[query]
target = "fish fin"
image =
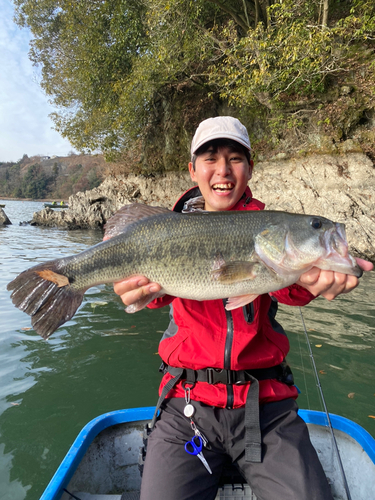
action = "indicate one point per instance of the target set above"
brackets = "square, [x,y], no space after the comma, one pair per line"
[143,302]
[232,272]
[127,215]
[59,279]
[240,301]
[44,293]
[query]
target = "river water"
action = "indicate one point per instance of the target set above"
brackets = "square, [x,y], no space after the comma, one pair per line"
[104,359]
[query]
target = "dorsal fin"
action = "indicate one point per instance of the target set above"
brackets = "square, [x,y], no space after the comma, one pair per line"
[127,215]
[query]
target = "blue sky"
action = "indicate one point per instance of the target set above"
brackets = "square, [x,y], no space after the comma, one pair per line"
[24,108]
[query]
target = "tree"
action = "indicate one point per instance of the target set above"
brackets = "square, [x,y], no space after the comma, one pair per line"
[85,50]
[140,74]
[35,182]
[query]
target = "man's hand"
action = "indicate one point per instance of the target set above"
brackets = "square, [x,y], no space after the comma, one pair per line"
[134,288]
[330,284]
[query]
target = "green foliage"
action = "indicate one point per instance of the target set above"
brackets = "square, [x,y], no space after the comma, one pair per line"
[34,183]
[292,56]
[85,50]
[138,75]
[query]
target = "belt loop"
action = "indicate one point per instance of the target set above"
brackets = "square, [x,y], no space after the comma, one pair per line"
[253,438]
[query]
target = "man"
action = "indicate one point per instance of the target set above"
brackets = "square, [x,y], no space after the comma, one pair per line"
[230,354]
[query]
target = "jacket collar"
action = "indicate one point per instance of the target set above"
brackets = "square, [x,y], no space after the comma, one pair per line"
[192,200]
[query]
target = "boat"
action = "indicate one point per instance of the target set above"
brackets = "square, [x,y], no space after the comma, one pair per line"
[103,462]
[56,205]
[2,206]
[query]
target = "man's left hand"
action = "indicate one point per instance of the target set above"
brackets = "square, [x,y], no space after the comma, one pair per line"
[330,284]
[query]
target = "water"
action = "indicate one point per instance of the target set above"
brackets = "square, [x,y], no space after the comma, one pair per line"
[104,359]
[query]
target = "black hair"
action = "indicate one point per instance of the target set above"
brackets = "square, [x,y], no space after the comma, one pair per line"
[215,144]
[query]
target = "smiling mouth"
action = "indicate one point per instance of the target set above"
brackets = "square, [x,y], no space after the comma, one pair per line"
[223,187]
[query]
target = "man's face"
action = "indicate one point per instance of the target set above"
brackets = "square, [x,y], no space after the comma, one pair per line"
[222,177]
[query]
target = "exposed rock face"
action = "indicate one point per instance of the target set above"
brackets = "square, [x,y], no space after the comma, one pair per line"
[339,187]
[4,221]
[92,209]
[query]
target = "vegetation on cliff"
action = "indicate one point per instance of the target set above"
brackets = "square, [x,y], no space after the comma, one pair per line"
[41,177]
[133,78]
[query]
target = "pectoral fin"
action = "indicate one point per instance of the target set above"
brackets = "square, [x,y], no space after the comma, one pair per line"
[242,300]
[232,272]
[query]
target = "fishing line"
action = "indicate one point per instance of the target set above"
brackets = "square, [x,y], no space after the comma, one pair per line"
[71,494]
[325,409]
[304,373]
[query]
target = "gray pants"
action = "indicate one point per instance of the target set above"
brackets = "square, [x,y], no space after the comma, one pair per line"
[290,468]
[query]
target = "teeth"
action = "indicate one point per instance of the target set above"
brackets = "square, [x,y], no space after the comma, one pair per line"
[223,186]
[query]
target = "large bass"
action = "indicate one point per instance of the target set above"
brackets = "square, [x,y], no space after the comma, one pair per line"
[201,256]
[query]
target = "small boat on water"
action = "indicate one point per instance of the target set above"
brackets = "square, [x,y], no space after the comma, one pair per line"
[2,206]
[102,463]
[56,205]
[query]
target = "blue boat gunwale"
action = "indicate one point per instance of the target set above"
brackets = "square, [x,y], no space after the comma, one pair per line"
[82,442]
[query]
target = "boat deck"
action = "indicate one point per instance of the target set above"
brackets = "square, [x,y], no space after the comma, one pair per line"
[228,492]
[96,473]
[102,463]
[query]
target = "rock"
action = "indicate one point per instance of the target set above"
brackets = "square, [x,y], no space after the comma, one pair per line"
[92,209]
[279,156]
[349,146]
[346,90]
[4,221]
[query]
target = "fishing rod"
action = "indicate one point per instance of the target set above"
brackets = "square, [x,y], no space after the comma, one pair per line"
[325,409]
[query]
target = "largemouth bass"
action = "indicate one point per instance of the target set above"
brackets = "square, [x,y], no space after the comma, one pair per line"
[201,256]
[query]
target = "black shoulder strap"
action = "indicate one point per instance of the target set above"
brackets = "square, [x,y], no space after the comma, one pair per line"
[168,386]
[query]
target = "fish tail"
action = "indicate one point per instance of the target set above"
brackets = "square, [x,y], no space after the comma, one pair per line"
[45,293]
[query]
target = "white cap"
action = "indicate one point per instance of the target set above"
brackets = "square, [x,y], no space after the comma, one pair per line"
[221,127]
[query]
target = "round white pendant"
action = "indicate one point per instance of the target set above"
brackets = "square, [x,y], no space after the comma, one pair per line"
[189,410]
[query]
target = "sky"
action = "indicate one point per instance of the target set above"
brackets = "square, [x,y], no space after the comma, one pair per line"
[25,126]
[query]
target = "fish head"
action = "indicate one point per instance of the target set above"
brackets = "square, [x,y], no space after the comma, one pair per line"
[301,242]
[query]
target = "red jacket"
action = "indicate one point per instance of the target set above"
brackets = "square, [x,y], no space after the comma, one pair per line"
[203,334]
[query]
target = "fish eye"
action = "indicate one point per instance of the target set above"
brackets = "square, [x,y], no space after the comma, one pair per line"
[316,223]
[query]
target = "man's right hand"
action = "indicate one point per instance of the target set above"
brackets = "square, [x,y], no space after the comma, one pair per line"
[132,289]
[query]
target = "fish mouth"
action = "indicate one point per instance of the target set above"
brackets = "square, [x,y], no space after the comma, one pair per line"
[338,251]
[223,187]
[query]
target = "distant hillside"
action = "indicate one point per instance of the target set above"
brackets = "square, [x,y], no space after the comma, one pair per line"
[56,177]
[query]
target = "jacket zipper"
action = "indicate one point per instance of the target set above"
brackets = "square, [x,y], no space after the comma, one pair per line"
[228,354]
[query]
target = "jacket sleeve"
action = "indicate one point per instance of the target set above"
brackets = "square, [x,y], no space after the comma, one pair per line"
[161,302]
[294,295]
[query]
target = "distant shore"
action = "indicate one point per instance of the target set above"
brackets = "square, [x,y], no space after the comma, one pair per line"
[44,200]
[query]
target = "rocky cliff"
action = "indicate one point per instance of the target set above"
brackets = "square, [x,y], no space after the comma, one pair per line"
[339,187]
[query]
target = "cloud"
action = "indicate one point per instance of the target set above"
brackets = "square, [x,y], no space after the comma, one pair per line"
[25,127]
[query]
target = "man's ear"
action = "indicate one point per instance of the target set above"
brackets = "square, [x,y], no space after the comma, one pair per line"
[192,172]
[250,170]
